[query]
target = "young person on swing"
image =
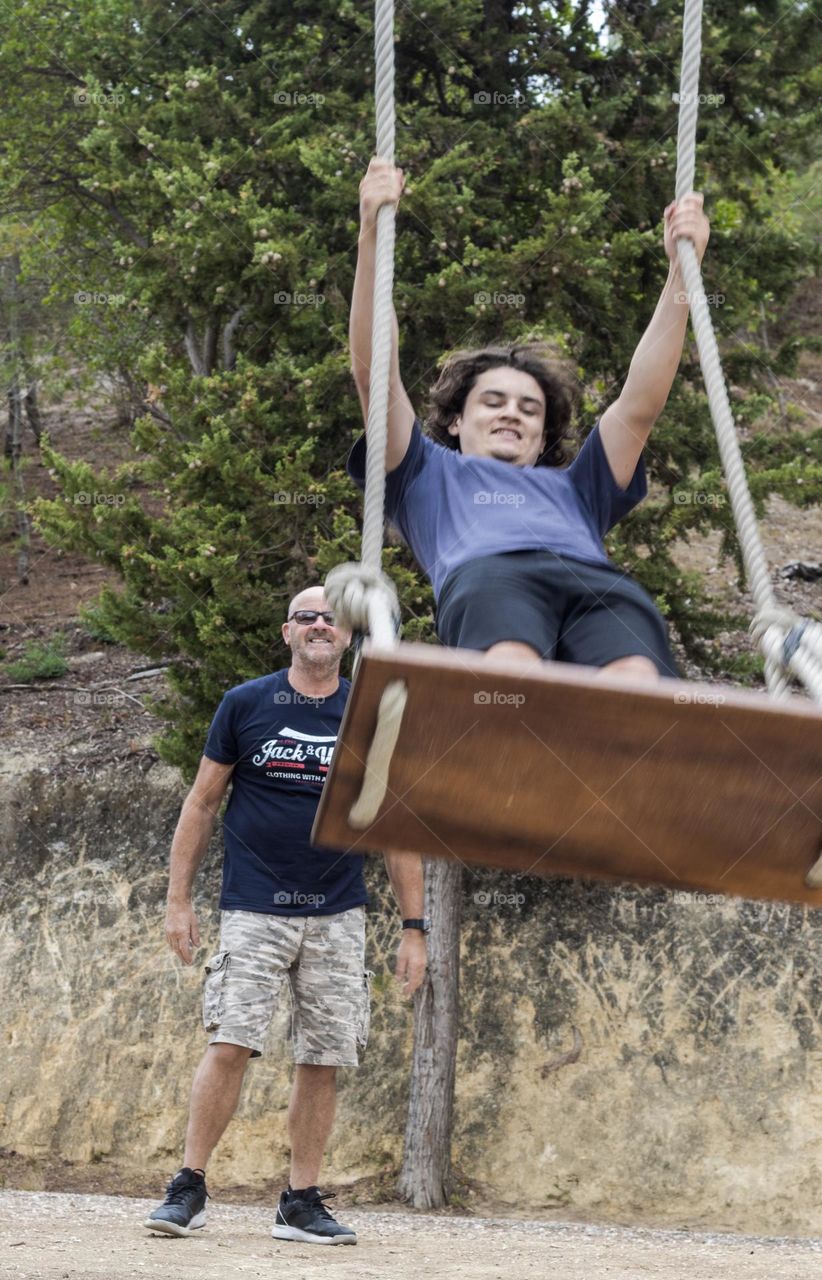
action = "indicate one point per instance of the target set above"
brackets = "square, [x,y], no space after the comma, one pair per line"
[511,539]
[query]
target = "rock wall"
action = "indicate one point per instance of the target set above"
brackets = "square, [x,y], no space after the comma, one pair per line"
[626,1054]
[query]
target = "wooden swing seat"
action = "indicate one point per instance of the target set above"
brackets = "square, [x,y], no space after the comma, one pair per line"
[559,770]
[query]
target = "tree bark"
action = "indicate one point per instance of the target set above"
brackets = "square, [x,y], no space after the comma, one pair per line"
[210,344]
[32,407]
[425,1178]
[202,358]
[14,436]
[229,330]
[772,378]
[195,358]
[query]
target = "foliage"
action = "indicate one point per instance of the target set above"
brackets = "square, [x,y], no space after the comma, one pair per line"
[95,626]
[40,660]
[190,174]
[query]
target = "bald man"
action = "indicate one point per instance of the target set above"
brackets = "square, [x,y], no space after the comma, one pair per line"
[288,910]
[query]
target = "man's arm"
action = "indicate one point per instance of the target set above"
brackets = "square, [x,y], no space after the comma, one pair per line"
[405,873]
[382,184]
[626,424]
[191,837]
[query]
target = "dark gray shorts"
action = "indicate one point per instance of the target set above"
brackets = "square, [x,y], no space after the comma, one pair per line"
[566,609]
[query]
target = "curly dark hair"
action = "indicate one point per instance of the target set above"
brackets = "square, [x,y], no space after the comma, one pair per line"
[460,371]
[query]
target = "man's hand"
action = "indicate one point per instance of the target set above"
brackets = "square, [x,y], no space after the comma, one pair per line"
[382,184]
[411,958]
[685,218]
[182,933]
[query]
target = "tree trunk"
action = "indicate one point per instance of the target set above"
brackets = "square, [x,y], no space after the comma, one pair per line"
[14,437]
[210,345]
[32,407]
[201,358]
[230,329]
[425,1178]
[195,358]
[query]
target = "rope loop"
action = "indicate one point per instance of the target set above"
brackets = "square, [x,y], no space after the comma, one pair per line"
[792,641]
[366,599]
[773,615]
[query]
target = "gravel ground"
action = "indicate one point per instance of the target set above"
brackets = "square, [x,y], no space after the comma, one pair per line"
[45,1235]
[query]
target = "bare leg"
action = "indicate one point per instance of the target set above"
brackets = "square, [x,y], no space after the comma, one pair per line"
[215,1093]
[513,649]
[310,1117]
[633,668]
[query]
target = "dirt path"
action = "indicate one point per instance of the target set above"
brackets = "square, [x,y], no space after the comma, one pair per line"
[46,1235]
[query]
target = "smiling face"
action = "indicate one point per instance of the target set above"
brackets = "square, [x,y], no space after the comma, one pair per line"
[503,417]
[316,647]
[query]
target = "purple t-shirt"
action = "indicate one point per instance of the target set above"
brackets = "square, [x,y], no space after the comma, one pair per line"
[451,507]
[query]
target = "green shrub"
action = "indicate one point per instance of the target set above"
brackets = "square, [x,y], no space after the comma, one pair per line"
[41,660]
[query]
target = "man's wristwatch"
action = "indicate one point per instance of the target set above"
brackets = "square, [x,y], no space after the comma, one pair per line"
[423,924]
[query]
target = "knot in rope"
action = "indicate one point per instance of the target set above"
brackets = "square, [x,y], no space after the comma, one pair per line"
[773,615]
[777,615]
[366,599]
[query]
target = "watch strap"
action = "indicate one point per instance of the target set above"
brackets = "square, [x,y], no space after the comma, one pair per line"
[423,924]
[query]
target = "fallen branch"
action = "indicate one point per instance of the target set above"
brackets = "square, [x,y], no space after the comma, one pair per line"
[565,1059]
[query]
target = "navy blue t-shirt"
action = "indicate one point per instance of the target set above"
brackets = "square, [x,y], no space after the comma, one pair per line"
[281,743]
[451,507]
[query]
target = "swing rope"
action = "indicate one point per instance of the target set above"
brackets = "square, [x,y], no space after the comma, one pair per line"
[361,593]
[788,642]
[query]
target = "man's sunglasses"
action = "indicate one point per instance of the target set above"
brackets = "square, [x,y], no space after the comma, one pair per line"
[306,616]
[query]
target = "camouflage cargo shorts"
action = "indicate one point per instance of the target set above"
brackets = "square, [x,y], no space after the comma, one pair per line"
[323,959]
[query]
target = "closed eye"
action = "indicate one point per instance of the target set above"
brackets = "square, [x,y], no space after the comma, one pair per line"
[494,400]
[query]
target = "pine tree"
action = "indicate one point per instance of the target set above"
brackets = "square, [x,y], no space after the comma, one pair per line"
[190,178]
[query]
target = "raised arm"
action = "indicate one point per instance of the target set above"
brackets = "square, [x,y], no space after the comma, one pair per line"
[626,424]
[382,184]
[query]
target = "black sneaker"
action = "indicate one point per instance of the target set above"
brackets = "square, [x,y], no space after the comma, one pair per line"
[183,1209]
[306,1218]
